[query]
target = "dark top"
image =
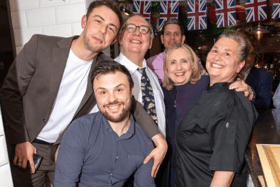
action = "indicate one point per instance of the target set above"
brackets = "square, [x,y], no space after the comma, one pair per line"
[177,102]
[92,150]
[261,82]
[213,136]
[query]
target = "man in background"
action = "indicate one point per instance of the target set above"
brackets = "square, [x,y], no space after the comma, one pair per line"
[171,34]
[259,80]
[135,40]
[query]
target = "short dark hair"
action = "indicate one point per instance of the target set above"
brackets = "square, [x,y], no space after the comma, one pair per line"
[173,21]
[112,66]
[110,4]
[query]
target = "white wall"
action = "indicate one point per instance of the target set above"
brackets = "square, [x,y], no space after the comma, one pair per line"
[5,171]
[49,17]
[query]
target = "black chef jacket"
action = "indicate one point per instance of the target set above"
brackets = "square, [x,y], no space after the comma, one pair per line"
[213,136]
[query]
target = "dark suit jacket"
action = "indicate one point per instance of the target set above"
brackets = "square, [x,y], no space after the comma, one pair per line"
[261,82]
[31,86]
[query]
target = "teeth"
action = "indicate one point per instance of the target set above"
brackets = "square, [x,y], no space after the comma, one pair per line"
[113,107]
[135,41]
[179,74]
[216,65]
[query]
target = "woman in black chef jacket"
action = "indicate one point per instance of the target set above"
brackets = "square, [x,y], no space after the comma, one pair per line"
[213,135]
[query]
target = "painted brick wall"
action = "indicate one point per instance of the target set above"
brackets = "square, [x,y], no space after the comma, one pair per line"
[49,17]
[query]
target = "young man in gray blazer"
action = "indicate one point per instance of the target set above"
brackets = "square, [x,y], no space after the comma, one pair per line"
[48,86]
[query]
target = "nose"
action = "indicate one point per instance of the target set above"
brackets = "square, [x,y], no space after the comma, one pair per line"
[172,36]
[178,66]
[103,29]
[137,31]
[112,97]
[217,57]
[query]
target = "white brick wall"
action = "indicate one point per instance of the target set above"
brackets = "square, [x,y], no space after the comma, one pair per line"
[49,17]
[5,172]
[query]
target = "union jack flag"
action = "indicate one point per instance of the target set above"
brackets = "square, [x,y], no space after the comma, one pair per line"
[276,9]
[255,10]
[168,9]
[197,18]
[225,13]
[143,8]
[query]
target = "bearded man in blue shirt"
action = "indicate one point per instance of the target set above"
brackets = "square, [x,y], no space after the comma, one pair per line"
[105,148]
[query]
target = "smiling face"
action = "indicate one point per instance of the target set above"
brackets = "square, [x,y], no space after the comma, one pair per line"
[172,35]
[179,66]
[100,29]
[135,43]
[113,96]
[222,61]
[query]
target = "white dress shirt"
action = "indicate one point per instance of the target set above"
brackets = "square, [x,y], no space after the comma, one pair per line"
[158,94]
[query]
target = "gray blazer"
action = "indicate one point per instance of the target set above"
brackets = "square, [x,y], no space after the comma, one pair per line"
[31,86]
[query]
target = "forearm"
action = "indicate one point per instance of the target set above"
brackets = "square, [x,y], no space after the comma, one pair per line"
[143,119]
[222,179]
[160,141]
[13,90]
[12,109]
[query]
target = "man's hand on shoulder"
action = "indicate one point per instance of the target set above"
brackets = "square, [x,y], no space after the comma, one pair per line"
[241,86]
[157,153]
[23,153]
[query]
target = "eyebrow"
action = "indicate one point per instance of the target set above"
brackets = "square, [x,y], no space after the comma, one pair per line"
[102,88]
[104,20]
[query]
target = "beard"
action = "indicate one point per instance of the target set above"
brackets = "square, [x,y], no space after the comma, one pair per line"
[91,47]
[122,114]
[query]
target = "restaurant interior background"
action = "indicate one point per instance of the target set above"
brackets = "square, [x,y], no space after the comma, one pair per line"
[267,47]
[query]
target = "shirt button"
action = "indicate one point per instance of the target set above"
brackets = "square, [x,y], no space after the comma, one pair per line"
[111,174]
[117,157]
[227,124]
[44,120]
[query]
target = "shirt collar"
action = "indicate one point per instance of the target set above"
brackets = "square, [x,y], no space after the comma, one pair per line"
[128,64]
[131,130]
[219,85]
[128,134]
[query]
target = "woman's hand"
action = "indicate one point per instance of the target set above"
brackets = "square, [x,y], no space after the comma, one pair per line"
[157,153]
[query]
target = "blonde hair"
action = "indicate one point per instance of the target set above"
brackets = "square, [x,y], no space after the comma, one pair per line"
[195,76]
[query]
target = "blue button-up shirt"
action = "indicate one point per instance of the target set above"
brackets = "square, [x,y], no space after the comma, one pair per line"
[93,154]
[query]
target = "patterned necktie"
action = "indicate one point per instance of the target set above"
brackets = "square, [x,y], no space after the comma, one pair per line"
[148,95]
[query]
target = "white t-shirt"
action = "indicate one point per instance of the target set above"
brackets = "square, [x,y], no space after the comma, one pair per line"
[70,94]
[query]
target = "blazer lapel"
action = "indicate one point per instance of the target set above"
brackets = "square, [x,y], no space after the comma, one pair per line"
[59,59]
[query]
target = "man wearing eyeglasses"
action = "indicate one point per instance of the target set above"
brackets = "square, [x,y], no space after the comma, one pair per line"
[135,39]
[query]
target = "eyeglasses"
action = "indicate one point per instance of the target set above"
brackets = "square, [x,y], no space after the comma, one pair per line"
[143,29]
